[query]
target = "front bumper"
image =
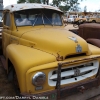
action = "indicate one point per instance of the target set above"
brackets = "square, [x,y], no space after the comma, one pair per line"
[61,92]
[66,91]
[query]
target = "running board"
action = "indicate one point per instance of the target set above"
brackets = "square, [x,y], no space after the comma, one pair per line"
[3,61]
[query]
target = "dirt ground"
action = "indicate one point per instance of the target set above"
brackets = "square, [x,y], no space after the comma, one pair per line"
[7,89]
[70,26]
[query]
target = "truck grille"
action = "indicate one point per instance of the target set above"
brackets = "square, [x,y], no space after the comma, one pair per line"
[75,73]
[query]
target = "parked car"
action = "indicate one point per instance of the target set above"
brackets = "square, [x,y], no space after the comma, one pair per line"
[42,58]
[90,32]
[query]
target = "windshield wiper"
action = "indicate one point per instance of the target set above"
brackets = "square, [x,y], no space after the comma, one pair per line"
[42,19]
[48,19]
[36,19]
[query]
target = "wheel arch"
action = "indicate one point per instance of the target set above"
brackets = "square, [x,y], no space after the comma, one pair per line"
[94,21]
[9,63]
[10,70]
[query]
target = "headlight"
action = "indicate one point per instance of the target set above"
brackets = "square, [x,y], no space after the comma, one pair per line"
[39,79]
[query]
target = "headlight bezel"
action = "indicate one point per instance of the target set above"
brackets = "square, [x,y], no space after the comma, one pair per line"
[39,79]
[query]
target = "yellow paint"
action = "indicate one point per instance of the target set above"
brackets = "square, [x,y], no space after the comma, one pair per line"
[35,48]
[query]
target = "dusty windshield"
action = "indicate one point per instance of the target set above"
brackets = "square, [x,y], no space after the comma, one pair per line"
[34,17]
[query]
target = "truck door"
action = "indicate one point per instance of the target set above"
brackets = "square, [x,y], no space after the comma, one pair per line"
[6,31]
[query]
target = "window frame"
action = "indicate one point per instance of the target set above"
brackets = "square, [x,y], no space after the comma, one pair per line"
[5,19]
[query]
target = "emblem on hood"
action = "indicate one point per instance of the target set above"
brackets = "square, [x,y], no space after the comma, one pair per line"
[74,39]
[78,48]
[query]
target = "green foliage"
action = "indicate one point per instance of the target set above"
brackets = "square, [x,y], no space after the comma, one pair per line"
[21,1]
[67,4]
[31,1]
[64,8]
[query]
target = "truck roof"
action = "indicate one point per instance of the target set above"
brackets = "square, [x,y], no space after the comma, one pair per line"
[24,6]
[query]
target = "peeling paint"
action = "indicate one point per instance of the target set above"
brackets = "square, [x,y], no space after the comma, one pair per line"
[24,6]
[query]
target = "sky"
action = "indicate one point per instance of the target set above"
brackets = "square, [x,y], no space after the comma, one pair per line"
[92,5]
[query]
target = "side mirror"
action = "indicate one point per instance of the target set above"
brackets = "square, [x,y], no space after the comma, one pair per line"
[65,22]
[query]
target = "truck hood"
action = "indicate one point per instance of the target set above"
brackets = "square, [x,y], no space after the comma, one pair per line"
[56,41]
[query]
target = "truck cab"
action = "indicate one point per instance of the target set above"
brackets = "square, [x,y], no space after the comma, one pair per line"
[71,18]
[42,57]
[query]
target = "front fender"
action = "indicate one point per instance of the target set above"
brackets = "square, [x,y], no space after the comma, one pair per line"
[23,58]
[94,41]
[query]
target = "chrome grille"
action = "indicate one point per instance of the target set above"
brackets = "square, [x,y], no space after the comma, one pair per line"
[71,74]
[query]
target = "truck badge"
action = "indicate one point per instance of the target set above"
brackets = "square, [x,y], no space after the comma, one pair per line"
[77,72]
[74,39]
[78,48]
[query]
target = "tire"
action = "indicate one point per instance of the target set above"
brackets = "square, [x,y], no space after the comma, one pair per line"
[93,21]
[12,77]
[16,85]
[81,21]
[76,24]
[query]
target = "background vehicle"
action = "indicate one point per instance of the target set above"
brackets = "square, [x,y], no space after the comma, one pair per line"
[80,20]
[89,30]
[71,18]
[42,58]
[95,19]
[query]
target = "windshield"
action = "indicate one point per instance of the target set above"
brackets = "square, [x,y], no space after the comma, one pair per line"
[70,16]
[73,16]
[34,17]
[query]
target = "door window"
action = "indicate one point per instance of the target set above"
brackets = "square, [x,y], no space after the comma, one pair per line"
[7,19]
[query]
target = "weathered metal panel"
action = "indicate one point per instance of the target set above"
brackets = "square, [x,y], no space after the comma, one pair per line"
[24,6]
[87,95]
[89,30]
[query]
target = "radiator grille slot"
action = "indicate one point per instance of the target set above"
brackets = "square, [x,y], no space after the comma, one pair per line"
[75,55]
[71,74]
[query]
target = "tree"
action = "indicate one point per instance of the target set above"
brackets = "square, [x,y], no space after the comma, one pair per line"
[85,10]
[32,1]
[64,8]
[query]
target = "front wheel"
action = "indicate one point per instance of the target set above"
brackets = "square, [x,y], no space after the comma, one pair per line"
[12,77]
[75,25]
[93,21]
[15,84]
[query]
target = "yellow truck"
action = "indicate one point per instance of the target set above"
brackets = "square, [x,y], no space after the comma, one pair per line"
[81,18]
[42,58]
[94,19]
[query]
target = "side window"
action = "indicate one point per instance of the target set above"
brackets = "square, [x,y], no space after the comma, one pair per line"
[7,19]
